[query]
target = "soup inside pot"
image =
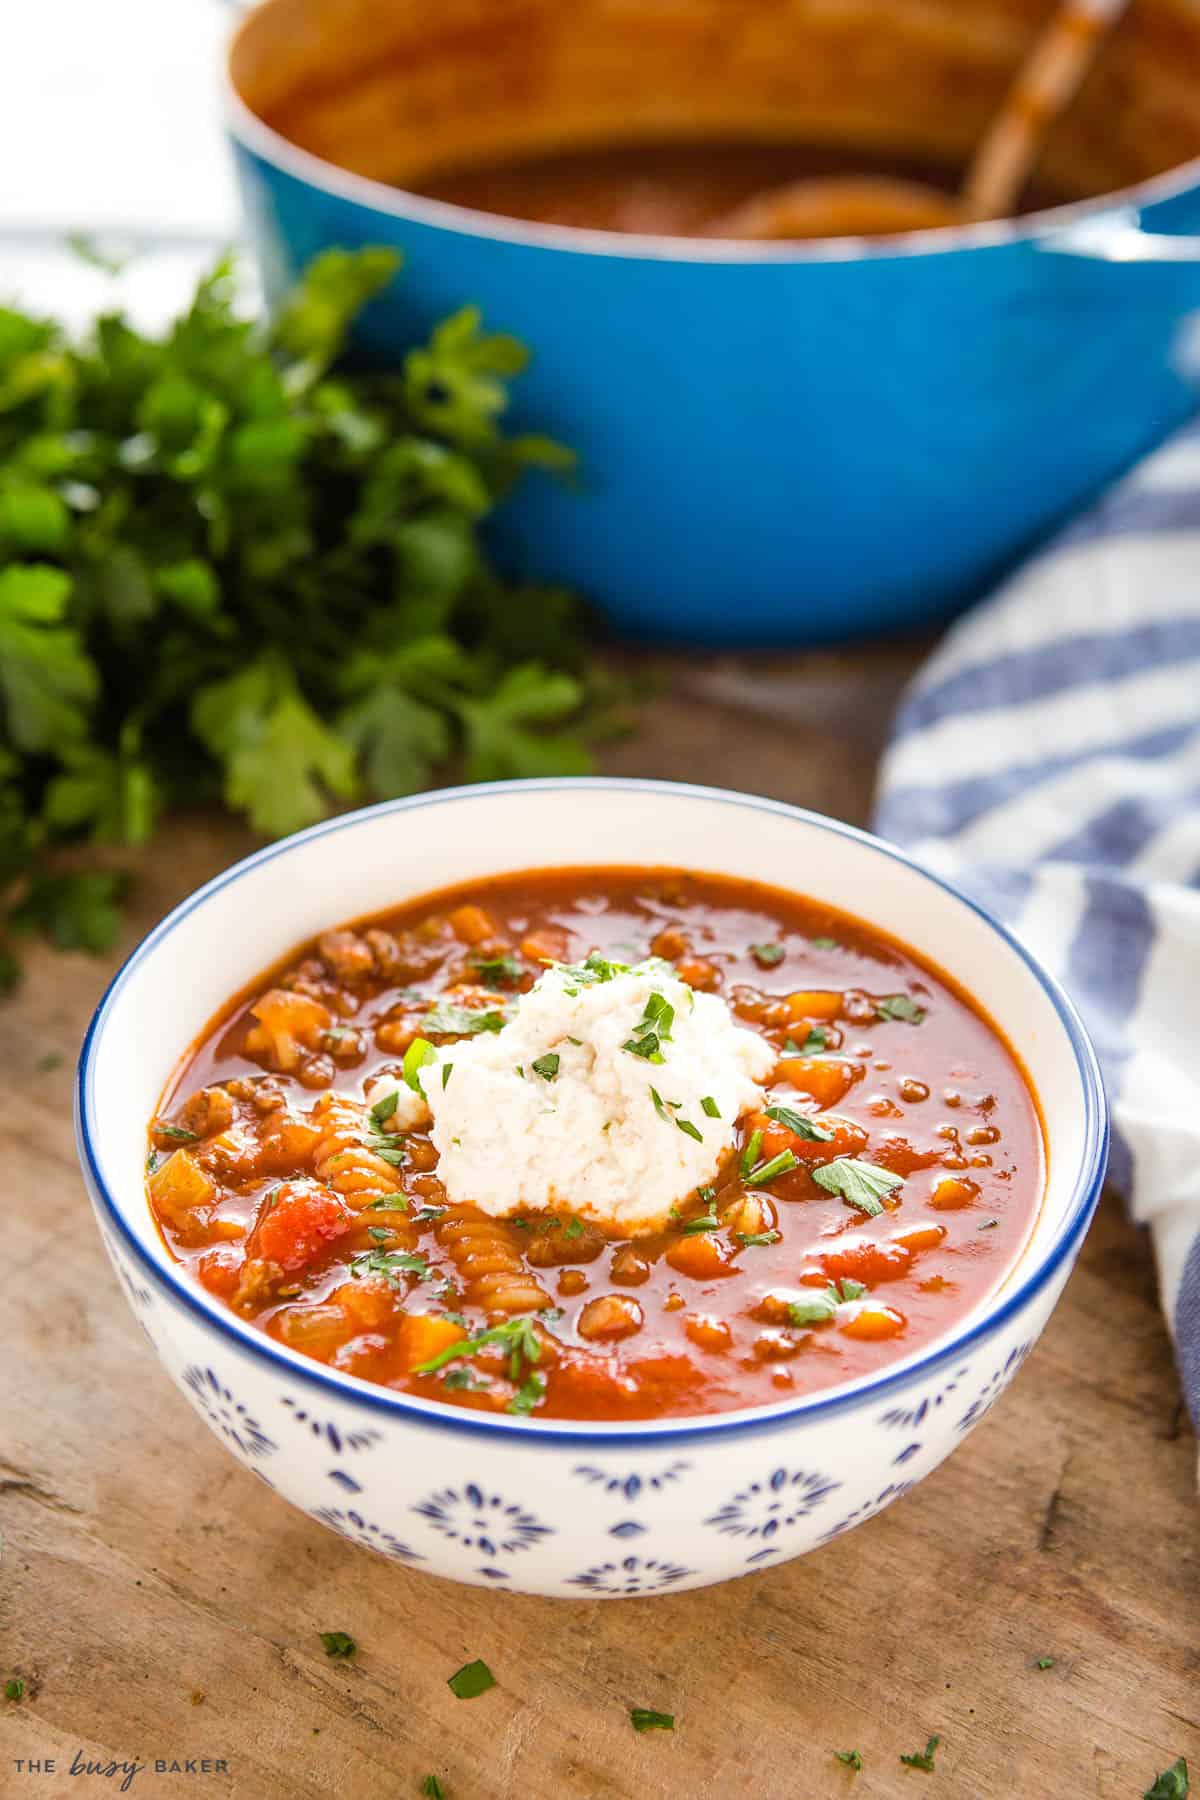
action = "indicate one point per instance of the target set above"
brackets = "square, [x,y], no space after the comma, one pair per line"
[661,115]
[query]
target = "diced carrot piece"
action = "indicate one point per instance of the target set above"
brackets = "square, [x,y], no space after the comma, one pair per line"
[873,1321]
[867,1260]
[367,1304]
[547,944]
[471,924]
[709,1332]
[703,1256]
[420,1336]
[297,1222]
[827,1078]
[814,1004]
[846,1138]
[920,1237]
[698,972]
[953,1192]
[750,1213]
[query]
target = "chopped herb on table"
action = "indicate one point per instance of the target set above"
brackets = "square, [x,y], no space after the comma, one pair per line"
[472,1679]
[851,1758]
[14,1689]
[432,1788]
[1172,1784]
[339,1644]
[643,1719]
[1044,1662]
[231,570]
[922,1759]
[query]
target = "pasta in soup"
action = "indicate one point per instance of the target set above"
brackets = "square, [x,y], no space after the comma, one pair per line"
[600,1144]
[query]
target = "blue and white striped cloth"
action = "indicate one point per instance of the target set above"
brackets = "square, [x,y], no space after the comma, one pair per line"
[1047,759]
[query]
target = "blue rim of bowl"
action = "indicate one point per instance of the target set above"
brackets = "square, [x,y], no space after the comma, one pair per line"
[1089,1179]
[253,135]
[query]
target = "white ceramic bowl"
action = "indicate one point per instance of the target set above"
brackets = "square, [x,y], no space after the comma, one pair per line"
[570,1508]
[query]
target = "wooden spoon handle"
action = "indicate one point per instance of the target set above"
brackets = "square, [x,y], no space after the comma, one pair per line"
[1048,81]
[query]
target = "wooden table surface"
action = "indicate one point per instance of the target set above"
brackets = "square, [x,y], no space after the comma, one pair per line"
[160,1603]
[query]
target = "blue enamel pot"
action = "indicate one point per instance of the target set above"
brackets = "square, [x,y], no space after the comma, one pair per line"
[781,443]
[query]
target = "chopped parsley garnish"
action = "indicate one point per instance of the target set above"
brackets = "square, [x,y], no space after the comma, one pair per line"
[851,1758]
[799,1124]
[751,1151]
[1044,1662]
[573,1228]
[432,1788]
[767,1171]
[516,1335]
[823,943]
[383,1109]
[767,956]
[859,1183]
[380,1234]
[659,1106]
[757,1240]
[702,1222]
[593,969]
[690,1130]
[472,1679]
[652,1030]
[922,1759]
[447,1071]
[823,1303]
[14,1689]
[391,1264]
[899,1006]
[527,1396]
[177,1134]
[463,1378]
[497,971]
[546,1066]
[817,1039]
[642,1719]
[447,1020]
[152,1162]
[707,1194]
[419,1052]
[1172,1784]
[339,1644]
[388,1203]
[387,1149]
[708,1105]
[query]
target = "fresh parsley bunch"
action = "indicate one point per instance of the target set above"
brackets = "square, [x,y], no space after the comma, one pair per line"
[228,568]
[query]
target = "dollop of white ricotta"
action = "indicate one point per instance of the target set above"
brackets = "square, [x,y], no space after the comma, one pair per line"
[614,1136]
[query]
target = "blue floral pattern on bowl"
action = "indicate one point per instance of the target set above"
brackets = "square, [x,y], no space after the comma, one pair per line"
[630,1576]
[482,1521]
[352,1525]
[225,1413]
[777,1502]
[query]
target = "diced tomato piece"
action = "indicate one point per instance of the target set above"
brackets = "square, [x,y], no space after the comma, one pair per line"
[219,1271]
[297,1222]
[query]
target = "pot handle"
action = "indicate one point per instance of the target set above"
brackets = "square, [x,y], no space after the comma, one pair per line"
[1118,237]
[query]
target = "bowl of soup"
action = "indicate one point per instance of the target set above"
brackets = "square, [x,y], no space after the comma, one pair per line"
[786,441]
[588,1187]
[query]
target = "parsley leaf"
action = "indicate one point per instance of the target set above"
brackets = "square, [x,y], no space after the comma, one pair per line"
[419,1052]
[1172,1784]
[391,1264]
[643,1719]
[859,1183]
[851,1758]
[472,1679]
[14,1688]
[899,1006]
[800,1125]
[763,1172]
[546,1066]
[448,1020]
[767,956]
[497,971]
[339,1644]
[922,1759]
[432,1788]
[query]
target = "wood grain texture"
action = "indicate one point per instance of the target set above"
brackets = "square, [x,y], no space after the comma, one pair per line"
[161,1603]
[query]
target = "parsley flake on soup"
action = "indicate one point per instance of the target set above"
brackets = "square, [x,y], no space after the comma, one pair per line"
[600,1144]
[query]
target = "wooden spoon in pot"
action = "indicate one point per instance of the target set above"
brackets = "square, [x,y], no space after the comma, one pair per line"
[869,206]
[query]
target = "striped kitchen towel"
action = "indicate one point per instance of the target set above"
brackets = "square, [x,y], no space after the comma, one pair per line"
[1047,759]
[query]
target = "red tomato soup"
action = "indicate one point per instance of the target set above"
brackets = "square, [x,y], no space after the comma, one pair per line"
[881,1182]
